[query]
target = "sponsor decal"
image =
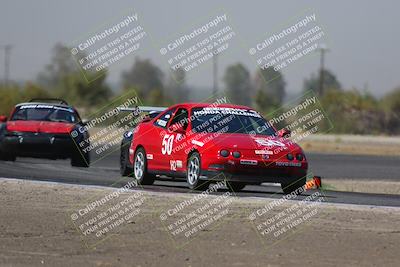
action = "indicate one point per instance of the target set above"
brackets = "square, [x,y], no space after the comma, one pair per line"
[167,144]
[46,107]
[161,122]
[179,137]
[175,164]
[131,151]
[198,143]
[248,162]
[179,163]
[149,156]
[269,143]
[288,164]
[265,156]
[263,152]
[227,111]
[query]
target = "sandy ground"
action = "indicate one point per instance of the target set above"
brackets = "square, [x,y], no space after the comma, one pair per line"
[36,229]
[352,144]
[363,186]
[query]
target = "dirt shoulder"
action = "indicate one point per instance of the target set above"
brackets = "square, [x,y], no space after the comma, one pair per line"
[352,144]
[37,230]
[362,186]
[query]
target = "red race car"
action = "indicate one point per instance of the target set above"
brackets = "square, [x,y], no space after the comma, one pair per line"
[41,128]
[204,143]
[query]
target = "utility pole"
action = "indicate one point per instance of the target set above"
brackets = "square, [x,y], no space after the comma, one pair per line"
[215,73]
[322,50]
[7,51]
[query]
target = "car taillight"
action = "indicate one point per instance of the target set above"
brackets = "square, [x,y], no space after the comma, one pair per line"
[224,153]
[299,157]
[236,154]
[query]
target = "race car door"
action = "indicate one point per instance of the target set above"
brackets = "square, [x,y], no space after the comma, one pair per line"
[175,142]
[156,153]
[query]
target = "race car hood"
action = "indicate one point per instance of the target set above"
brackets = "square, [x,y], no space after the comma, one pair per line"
[254,142]
[39,127]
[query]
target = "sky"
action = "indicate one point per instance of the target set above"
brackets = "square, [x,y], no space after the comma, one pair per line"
[363,36]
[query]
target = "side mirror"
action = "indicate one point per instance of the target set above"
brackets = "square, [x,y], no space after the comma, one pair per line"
[284,133]
[3,118]
[177,128]
[146,118]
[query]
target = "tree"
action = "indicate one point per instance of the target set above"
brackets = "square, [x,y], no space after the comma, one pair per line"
[270,89]
[63,79]
[75,88]
[330,82]
[13,94]
[31,90]
[144,77]
[391,106]
[238,86]
[9,96]
[353,112]
[61,64]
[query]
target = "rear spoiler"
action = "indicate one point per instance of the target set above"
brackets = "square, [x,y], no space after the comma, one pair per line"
[153,111]
[143,108]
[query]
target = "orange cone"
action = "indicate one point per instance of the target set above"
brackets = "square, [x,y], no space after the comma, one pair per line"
[315,183]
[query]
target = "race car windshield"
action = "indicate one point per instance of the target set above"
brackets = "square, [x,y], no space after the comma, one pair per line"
[44,113]
[229,120]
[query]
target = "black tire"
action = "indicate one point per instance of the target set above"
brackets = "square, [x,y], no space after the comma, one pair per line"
[193,173]
[140,171]
[5,157]
[288,188]
[125,168]
[235,186]
[79,159]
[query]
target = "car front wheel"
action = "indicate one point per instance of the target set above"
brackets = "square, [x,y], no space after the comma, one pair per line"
[193,173]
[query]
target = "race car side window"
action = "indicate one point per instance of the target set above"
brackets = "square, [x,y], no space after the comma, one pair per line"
[181,117]
[163,120]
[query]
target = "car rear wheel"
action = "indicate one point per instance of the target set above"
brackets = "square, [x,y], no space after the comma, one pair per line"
[125,167]
[80,159]
[193,173]
[5,157]
[235,186]
[140,168]
[288,188]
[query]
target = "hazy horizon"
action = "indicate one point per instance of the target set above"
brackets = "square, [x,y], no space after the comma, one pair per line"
[362,37]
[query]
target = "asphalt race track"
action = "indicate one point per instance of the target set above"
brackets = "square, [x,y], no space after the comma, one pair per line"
[105,172]
[355,166]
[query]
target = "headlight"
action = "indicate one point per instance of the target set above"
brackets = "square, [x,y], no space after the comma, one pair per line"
[224,153]
[290,156]
[128,134]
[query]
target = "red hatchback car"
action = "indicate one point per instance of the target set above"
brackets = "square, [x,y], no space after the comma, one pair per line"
[203,143]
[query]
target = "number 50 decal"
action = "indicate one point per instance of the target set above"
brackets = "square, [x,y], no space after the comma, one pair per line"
[167,143]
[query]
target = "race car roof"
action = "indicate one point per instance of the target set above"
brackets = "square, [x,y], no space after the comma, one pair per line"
[186,105]
[200,105]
